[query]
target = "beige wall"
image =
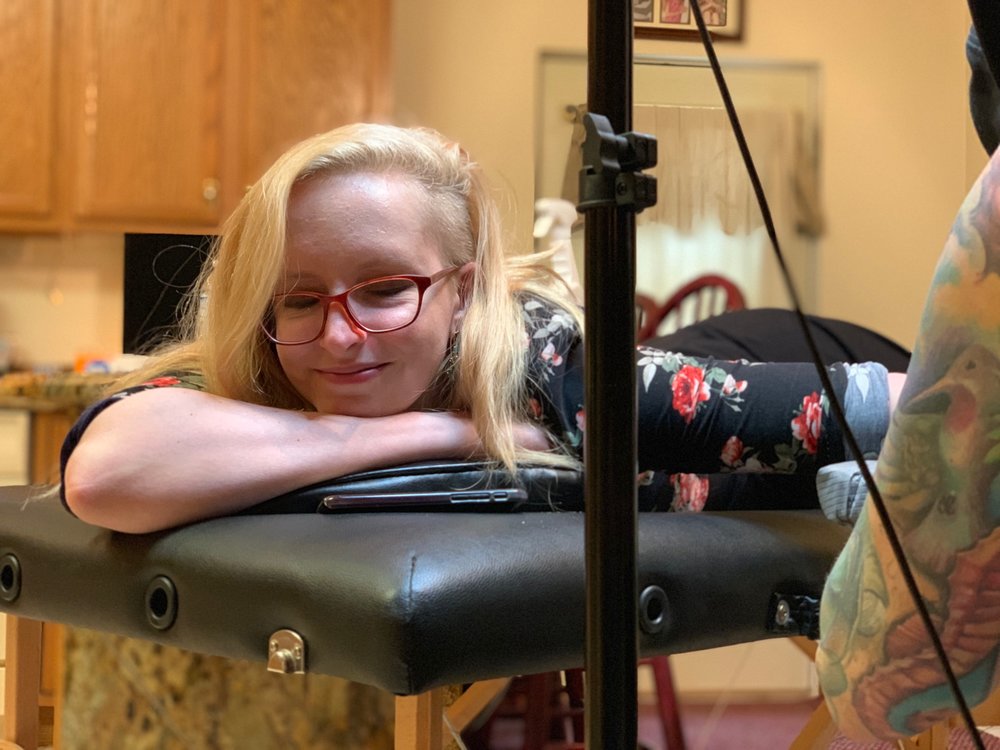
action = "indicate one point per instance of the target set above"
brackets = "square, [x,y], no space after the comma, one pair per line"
[61,297]
[897,150]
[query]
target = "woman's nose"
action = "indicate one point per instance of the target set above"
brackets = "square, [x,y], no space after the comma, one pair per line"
[341,330]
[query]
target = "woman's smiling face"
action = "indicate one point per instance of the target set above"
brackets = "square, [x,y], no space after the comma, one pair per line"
[346,229]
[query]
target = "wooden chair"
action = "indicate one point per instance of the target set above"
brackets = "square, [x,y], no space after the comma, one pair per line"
[33,666]
[550,708]
[23,669]
[698,299]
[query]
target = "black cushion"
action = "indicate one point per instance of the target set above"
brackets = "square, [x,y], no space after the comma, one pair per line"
[403,601]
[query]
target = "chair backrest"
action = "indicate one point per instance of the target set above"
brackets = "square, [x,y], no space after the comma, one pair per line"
[700,298]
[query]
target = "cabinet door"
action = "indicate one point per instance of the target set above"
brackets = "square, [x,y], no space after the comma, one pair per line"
[147,103]
[28,80]
[307,67]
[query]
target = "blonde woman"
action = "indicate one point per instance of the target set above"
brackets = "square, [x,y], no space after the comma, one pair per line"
[360,310]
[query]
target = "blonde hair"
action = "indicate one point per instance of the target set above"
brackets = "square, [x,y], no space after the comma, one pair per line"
[222,338]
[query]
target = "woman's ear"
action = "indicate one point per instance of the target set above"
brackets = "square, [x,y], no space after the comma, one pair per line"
[466,281]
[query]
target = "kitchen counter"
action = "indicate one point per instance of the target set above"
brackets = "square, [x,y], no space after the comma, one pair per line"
[54,392]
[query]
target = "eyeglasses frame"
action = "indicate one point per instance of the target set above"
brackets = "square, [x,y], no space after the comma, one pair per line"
[423,284]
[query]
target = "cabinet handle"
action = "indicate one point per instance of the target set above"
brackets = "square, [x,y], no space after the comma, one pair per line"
[210,189]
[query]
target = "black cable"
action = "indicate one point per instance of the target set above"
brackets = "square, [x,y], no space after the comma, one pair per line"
[166,286]
[824,377]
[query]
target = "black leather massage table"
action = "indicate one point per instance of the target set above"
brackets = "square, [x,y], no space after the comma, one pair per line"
[409,602]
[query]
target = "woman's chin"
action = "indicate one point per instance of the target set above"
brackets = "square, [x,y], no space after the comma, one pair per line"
[361,407]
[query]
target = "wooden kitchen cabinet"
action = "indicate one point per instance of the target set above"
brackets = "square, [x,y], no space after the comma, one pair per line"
[154,115]
[29,79]
[145,95]
[307,66]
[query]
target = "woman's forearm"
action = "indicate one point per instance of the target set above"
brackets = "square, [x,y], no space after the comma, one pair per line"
[170,456]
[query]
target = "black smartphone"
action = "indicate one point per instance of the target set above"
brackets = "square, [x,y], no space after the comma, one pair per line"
[508,499]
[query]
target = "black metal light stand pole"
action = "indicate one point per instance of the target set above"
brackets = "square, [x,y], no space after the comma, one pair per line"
[610,194]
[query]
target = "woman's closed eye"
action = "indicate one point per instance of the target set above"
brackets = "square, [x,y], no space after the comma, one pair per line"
[388,291]
[296,302]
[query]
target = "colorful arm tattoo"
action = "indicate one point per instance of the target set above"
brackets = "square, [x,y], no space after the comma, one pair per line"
[938,474]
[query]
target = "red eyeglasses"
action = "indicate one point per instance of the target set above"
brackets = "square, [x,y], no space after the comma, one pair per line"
[387,303]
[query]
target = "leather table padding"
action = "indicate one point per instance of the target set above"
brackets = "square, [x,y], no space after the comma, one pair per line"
[408,601]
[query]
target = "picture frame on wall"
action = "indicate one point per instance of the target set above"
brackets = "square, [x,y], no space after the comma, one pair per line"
[672,19]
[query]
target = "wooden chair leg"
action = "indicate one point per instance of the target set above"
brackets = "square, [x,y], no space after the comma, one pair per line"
[538,714]
[479,698]
[806,645]
[666,699]
[22,682]
[574,691]
[418,721]
[818,732]
[54,662]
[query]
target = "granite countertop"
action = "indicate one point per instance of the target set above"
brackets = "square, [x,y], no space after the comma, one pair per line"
[51,392]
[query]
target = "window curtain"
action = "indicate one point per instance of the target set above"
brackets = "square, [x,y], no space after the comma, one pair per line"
[706,217]
[700,173]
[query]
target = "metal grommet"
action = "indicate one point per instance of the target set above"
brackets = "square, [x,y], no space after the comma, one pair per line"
[161,603]
[652,610]
[10,577]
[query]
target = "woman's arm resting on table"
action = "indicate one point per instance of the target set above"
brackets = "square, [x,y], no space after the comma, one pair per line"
[938,474]
[170,456]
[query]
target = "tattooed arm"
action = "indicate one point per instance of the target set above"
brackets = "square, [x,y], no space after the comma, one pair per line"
[938,474]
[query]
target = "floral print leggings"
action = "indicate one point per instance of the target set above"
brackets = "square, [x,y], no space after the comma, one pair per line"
[705,423]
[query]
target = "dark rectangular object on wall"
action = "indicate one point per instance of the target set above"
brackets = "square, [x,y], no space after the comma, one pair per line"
[159,271]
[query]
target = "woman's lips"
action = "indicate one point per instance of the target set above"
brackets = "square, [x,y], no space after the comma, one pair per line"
[352,374]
